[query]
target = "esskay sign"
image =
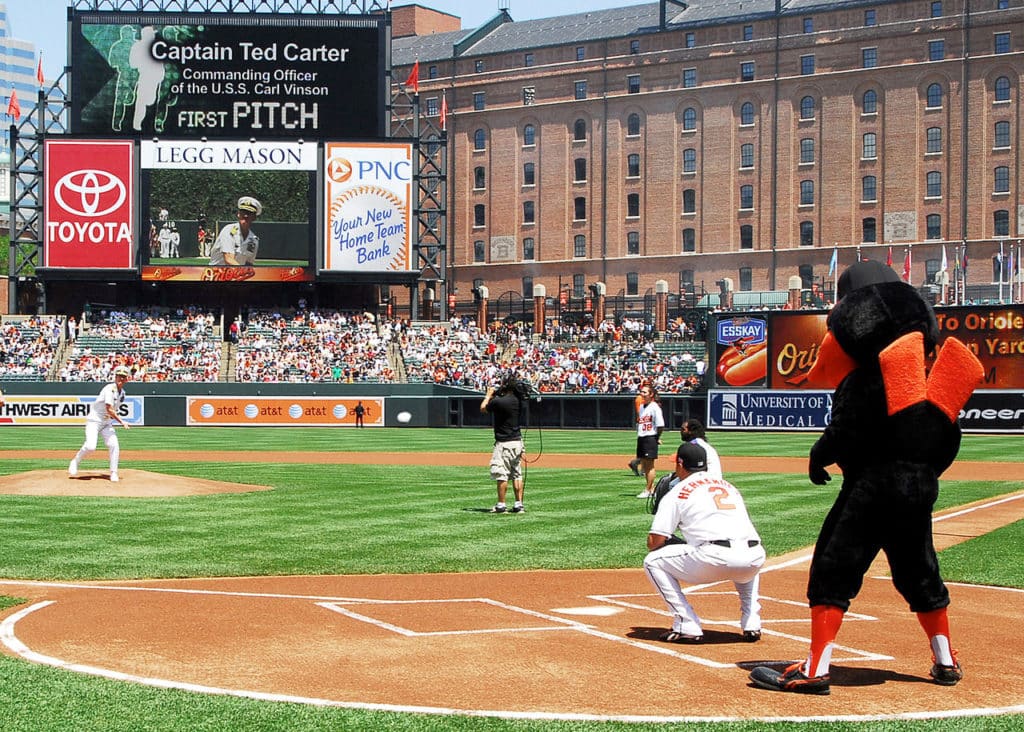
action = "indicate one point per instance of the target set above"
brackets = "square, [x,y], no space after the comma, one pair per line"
[89,204]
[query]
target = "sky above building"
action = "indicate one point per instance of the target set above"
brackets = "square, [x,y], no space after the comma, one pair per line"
[44,22]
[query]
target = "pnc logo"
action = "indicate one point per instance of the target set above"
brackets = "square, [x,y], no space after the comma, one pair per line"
[90,193]
[339,170]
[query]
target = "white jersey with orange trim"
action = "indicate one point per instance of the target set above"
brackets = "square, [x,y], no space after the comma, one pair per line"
[649,420]
[714,461]
[704,509]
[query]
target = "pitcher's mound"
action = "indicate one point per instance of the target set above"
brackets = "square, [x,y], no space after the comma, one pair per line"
[133,484]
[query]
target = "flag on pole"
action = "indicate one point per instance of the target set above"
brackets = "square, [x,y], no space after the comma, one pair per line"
[888,260]
[414,77]
[835,260]
[964,265]
[945,262]
[444,111]
[39,71]
[13,106]
[906,266]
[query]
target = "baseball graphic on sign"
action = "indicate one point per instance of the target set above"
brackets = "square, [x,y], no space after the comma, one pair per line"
[368,230]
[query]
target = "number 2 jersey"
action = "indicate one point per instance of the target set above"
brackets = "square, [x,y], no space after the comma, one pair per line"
[703,508]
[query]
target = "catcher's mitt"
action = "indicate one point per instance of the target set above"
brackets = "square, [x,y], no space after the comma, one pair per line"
[660,489]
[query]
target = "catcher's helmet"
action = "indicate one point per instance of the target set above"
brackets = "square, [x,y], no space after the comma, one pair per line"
[660,489]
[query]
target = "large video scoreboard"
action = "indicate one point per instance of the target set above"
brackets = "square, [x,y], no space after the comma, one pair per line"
[177,117]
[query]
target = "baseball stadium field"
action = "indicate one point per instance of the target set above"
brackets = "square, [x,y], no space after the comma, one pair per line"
[313,579]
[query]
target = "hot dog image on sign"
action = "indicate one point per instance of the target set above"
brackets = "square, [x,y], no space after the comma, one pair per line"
[742,352]
[368,192]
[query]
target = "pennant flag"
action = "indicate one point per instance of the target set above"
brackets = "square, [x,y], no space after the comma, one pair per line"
[414,77]
[945,262]
[888,260]
[964,267]
[906,266]
[444,111]
[834,262]
[39,70]
[13,106]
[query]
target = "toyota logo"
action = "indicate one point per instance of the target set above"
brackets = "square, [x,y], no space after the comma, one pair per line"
[90,193]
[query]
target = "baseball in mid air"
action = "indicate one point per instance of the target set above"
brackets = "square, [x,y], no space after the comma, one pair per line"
[403,417]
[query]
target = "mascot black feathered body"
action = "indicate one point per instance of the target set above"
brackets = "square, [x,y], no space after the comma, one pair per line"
[893,432]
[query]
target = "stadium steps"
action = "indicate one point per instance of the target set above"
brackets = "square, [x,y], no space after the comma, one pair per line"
[227,361]
[397,363]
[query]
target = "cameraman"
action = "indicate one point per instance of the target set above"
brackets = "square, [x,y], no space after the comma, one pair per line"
[507,403]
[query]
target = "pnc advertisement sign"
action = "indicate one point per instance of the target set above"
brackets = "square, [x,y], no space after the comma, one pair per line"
[228,75]
[89,204]
[367,205]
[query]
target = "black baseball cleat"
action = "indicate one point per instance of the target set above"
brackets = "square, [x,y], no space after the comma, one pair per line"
[633,467]
[751,636]
[947,675]
[792,679]
[520,508]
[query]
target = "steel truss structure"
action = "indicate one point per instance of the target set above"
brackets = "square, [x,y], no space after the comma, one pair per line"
[50,117]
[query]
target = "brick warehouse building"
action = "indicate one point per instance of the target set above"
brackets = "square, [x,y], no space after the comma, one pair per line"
[690,142]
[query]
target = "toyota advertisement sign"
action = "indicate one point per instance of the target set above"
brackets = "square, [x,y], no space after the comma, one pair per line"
[89,204]
[221,75]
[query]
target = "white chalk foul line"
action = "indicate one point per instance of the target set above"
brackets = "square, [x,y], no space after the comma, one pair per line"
[8,637]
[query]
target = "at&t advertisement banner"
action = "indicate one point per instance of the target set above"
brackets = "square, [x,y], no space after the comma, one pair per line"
[89,204]
[227,75]
[368,207]
[282,411]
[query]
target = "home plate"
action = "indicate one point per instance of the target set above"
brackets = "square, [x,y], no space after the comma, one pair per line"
[598,610]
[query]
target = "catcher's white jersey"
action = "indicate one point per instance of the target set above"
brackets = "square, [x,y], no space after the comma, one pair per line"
[649,419]
[714,462]
[109,395]
[704,508]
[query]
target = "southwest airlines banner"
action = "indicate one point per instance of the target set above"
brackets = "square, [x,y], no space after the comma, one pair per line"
[368,208]
[28,409]
[281,412]
[89,204]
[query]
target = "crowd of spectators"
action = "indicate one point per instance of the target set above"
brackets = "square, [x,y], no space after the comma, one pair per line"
[157,344]
[313,346]
[28,347]
[611,359]
[456,353]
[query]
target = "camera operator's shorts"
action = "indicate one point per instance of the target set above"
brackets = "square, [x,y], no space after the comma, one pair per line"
[647,447]
[506,460]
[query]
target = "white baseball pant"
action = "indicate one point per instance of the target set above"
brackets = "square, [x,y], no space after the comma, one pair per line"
[701,564]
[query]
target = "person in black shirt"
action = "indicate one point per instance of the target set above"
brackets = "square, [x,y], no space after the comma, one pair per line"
[507,404]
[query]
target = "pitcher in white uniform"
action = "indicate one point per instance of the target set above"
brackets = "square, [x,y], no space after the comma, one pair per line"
[103,413]
[721,544]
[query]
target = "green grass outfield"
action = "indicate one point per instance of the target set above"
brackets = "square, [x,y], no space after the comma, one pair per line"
[346,519]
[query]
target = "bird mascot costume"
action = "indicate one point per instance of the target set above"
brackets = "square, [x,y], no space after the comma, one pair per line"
[893,431]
